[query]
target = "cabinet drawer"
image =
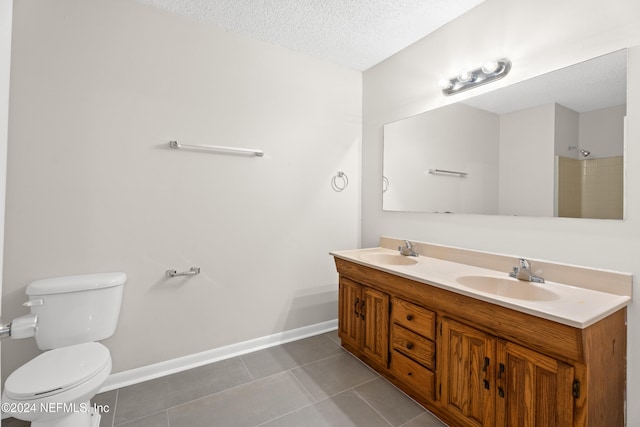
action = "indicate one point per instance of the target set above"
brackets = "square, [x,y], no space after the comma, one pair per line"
[415,318]
[413,374]
[413,345]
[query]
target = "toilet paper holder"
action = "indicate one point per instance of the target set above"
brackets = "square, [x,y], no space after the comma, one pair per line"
[192,272]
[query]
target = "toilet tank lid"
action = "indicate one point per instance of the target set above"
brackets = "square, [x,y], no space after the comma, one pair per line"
[76,283]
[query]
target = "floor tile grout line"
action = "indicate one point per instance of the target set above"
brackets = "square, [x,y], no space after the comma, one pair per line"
[253,380]
[366,402]
[422,415]
[261,378]
[342,351]
[313,399]
[315,402]
[303,365]
[167,409]
[363,364]
[247,368]
[288,413]
[312,403]
[425,410]
[412,419]
[383,378]
[287,372]
[319,360]
[377,375]
[272,375]
[115,408]
[293,374]
[139,418]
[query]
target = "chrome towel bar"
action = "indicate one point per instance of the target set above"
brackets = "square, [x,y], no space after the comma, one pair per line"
[255,152]
[443,171]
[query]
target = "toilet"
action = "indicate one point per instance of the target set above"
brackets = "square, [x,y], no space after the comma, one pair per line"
[55,388]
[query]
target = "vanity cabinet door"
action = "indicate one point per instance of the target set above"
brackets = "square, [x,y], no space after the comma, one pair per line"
[467,385]
[349,322]
[533,390]
[375,342]
[364,320]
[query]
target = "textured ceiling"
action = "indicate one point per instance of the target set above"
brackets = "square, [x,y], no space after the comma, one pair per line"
[355,33]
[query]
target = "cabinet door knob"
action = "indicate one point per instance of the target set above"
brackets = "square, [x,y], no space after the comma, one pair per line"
[409,317]
[409,345]
[410,373]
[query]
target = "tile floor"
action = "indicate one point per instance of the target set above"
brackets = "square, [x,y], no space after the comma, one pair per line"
[310,382]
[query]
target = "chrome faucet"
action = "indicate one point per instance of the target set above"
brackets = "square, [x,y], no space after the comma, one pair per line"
[407,249]
[523,272]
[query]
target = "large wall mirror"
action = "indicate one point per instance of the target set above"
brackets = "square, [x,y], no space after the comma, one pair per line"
[549,146]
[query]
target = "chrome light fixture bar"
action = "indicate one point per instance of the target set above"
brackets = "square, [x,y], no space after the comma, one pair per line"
[490,71]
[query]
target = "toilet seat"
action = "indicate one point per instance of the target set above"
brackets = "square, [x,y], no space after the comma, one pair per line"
[56,371]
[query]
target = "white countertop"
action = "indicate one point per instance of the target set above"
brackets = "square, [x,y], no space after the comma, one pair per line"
[571,305]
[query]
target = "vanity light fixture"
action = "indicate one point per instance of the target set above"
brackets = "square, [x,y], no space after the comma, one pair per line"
[468,79]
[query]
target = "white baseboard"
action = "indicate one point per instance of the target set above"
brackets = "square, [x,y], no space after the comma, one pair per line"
[157,370]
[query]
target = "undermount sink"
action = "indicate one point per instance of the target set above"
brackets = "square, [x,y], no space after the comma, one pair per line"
[510,288]
[389,259]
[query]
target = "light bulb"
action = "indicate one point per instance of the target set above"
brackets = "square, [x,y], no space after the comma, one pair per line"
[490,67]
[445,84]
[466,77]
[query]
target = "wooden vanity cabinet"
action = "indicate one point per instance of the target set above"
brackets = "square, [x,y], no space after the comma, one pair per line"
[486,381]
[363,320]
[412,358]
[467,388]
[473,363]
[533,389]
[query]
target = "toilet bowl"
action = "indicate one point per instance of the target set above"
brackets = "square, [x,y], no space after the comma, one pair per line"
[54,389]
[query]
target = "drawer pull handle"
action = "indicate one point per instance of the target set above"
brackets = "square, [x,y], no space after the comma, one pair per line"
[409,373]
[409,317]
[409,345]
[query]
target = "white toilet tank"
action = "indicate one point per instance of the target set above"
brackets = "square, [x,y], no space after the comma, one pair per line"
[76,309]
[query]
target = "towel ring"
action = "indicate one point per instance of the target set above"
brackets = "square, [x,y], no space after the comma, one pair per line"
[340,181]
